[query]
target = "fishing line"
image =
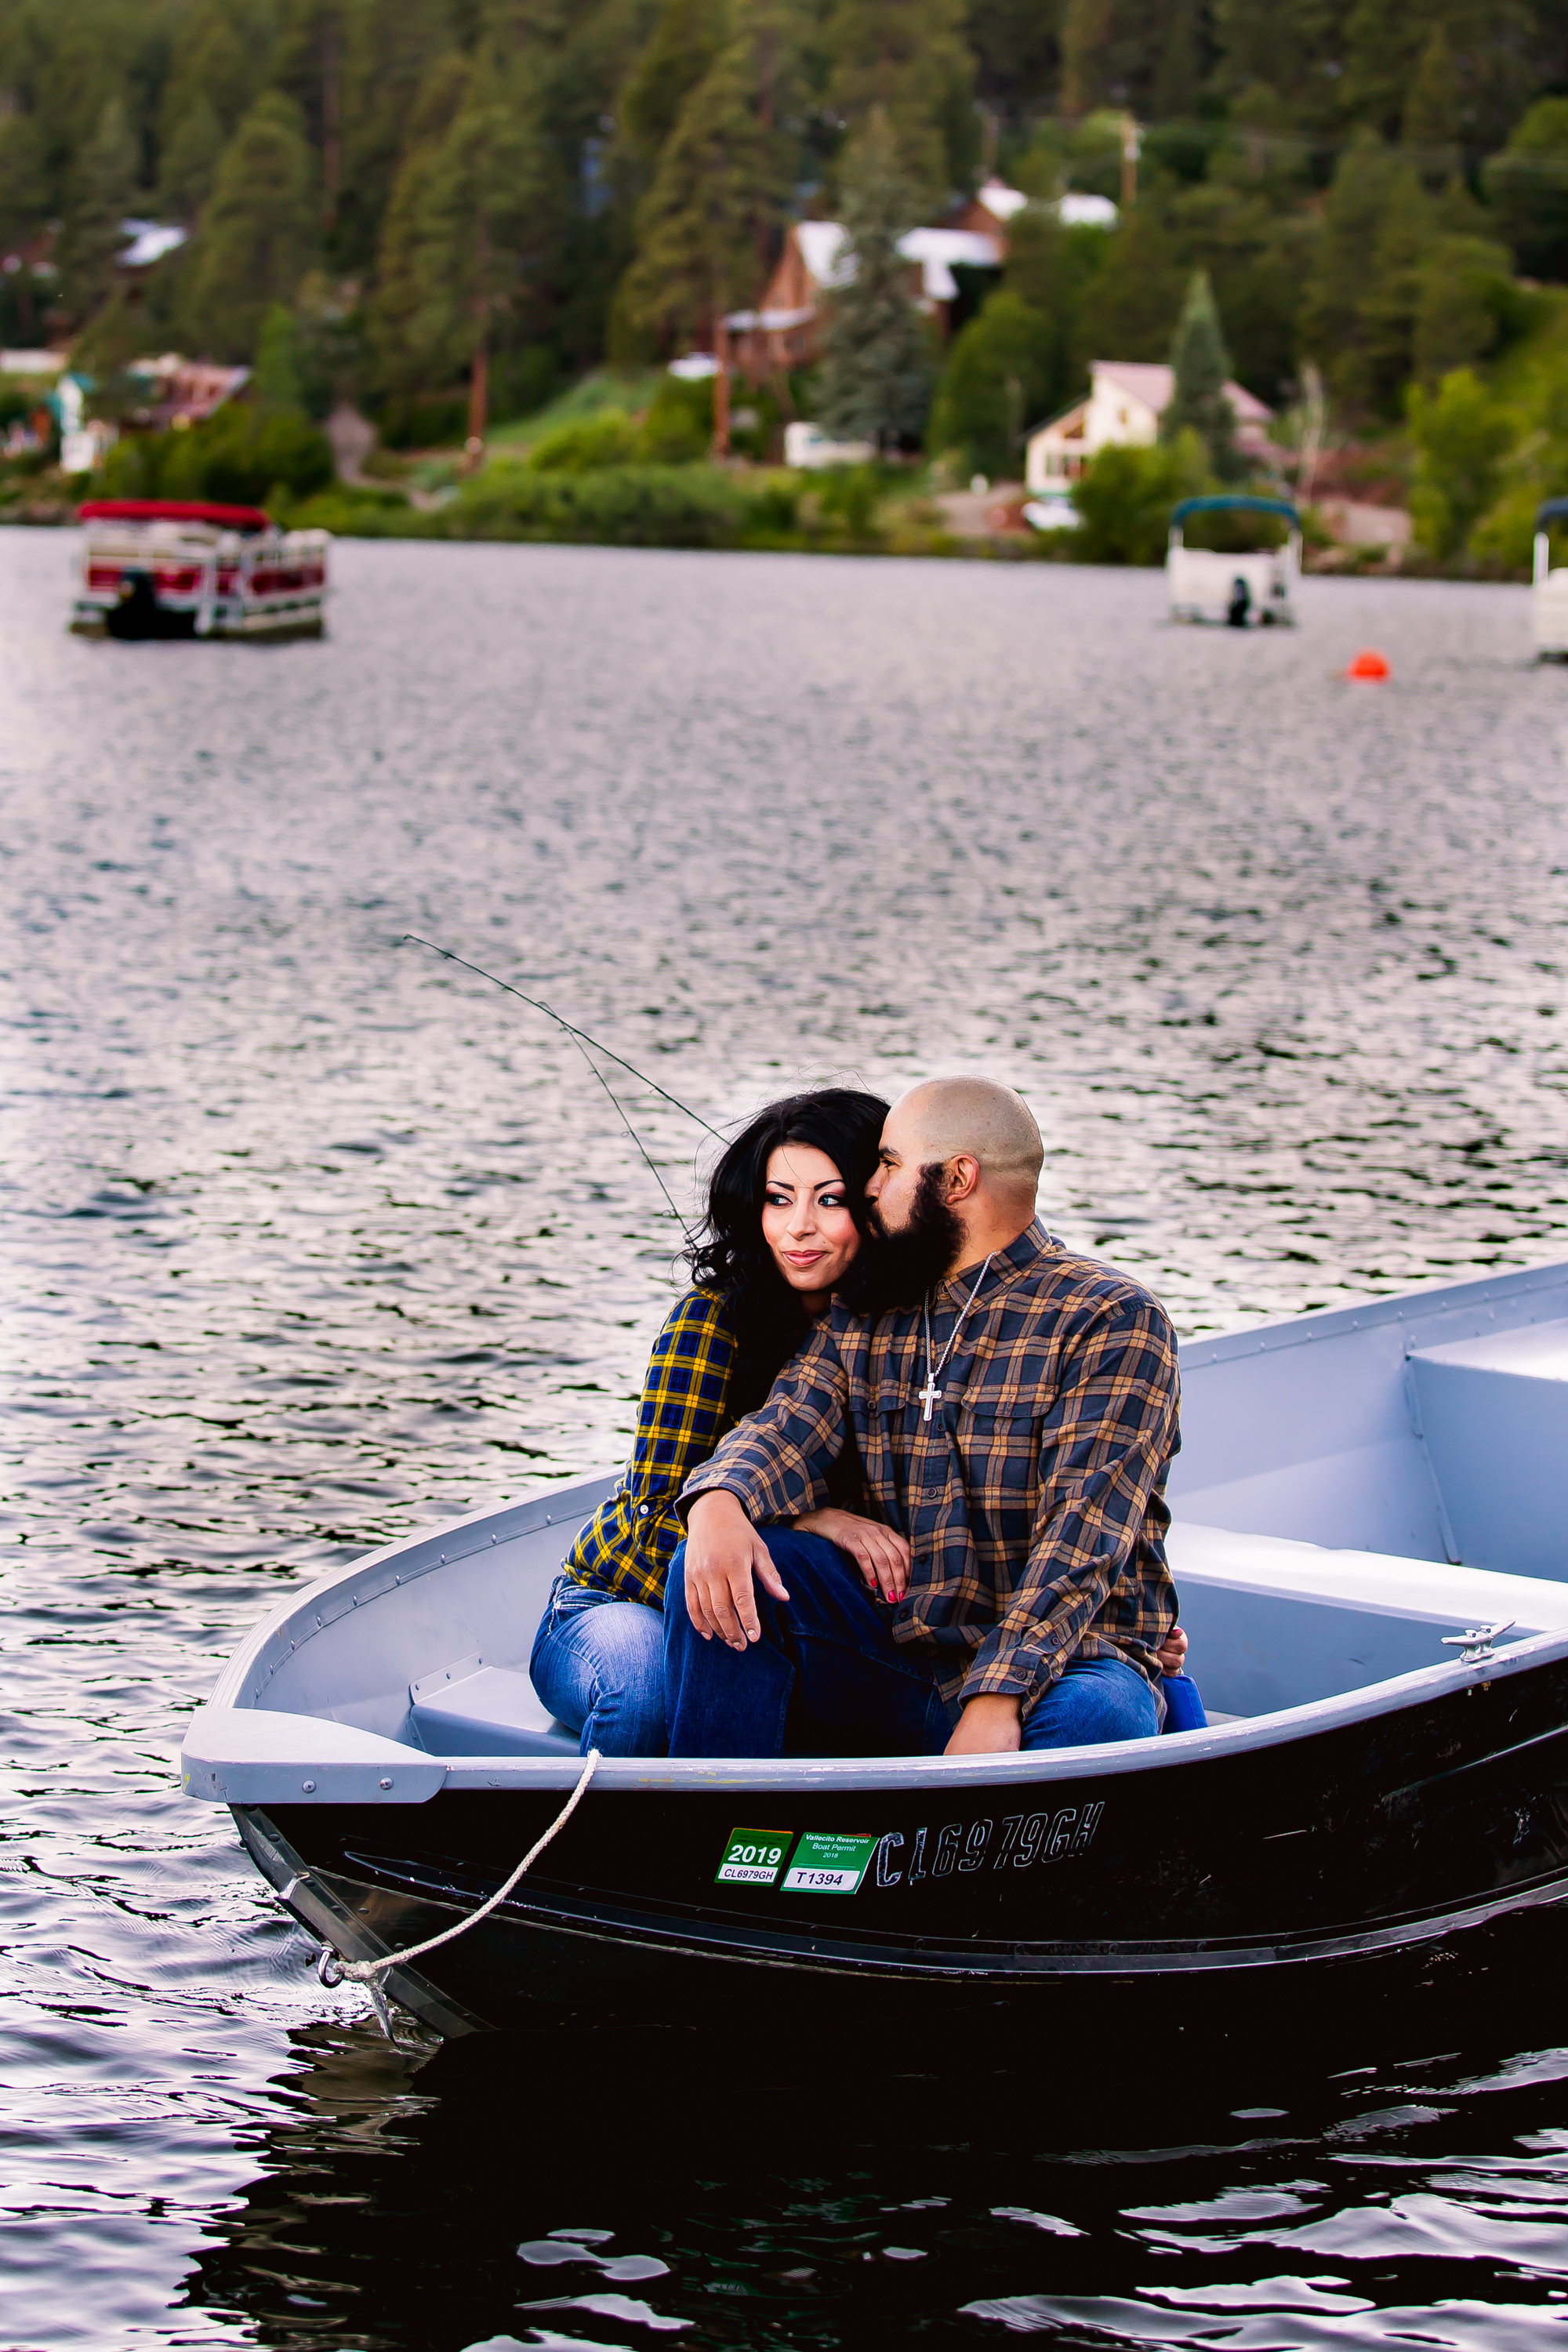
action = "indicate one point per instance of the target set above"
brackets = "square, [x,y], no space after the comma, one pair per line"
[582,1040]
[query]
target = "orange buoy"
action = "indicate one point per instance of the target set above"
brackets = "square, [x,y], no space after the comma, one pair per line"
[1368,663]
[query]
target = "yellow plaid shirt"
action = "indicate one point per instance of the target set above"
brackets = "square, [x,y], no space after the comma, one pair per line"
[627,1545]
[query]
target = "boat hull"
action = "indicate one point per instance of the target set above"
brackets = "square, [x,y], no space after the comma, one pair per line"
[1370,1837]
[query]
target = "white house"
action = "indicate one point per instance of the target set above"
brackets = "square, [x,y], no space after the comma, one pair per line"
[1125,402]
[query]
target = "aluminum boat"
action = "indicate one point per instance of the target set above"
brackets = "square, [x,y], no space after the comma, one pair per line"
[1370,1553]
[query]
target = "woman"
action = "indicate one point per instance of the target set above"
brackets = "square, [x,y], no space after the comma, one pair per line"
[786,1218]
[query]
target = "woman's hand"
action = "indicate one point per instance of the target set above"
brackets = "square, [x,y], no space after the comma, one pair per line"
[1172,1652]
[880,1553]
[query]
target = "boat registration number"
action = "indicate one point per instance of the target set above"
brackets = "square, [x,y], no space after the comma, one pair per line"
[753,1857]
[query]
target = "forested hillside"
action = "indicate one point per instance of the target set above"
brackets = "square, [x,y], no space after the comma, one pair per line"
[1366,182]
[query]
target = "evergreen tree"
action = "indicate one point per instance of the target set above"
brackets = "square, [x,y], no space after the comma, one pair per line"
[1131,306]
[219,61]
[389,49]
[1200,365]
[257,235]
[1333,315]
[1431,125]
[469,215]
[1463,285]
[1391,299]
[190,162]
[877,348]
[403,362]
[686,39]
[706,227]
[93,236]
[278,386]
[1527,185]
[1000,378]
[907,61]
[24,187]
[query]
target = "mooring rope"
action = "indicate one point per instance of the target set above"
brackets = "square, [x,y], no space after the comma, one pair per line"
[333,1970]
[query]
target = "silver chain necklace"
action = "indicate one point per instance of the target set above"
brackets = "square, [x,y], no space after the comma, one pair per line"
[931,1394]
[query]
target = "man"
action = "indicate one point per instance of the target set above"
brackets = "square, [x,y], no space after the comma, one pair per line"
[1015,1410]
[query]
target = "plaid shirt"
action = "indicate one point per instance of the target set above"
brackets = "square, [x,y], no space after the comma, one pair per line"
[627,1546]
[1033,1499]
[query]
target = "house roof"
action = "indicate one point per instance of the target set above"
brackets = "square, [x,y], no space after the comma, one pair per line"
[1152,382]
[830,261]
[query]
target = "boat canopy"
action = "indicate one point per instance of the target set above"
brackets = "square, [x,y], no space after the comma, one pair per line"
[174,510]
[1551,510]
[1215,499]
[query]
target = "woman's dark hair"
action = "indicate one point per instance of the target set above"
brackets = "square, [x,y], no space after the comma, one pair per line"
[729,1256]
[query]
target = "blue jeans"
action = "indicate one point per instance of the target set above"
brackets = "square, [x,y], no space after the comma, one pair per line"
[827,1678]
[598,1666]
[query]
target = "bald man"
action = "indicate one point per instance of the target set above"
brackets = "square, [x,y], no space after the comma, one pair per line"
[1014,1407]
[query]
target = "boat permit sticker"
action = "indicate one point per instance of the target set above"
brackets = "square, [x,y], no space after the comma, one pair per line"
[827,1864]
[753,1857]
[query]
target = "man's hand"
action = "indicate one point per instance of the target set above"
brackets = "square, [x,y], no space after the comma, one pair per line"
[880,1553]
[988,1727]
[723,1553]
[1172,1652]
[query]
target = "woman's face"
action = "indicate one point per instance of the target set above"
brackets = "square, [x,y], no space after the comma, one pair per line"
[806,1221]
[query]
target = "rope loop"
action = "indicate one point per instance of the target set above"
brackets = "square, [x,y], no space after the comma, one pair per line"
[333,1970]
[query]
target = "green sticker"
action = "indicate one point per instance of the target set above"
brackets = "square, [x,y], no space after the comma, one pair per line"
[827,1864]
[753,1857]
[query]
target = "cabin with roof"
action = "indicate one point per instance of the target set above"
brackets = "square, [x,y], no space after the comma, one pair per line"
[1126,401]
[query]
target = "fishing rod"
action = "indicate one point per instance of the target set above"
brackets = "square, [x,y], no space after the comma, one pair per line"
[582,1040]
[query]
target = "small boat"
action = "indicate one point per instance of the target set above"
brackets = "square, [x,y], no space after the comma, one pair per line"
[1252,591]
[1549,591]
[1370,1552]
[184,568]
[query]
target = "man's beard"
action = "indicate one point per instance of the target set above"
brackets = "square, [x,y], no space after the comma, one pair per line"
[897,1269]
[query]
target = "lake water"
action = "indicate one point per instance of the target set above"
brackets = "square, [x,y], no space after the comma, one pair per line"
[310,1239]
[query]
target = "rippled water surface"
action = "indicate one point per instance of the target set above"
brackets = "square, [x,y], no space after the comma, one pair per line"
[309,1239]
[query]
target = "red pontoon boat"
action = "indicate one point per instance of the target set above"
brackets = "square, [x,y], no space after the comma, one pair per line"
[183,568]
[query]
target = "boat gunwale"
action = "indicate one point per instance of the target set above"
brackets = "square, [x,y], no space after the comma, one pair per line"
[362,1582]
[1412,1306]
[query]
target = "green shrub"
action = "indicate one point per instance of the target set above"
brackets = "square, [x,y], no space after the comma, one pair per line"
[678,428]
[587,445]
[1462,435]
[236,458]
[997,382]
[1125,496]
[616,505]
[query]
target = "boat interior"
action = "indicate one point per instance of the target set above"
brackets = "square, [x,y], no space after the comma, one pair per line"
[1355,1487]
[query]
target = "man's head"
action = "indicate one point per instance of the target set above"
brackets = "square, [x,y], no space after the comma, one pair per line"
[956,1175]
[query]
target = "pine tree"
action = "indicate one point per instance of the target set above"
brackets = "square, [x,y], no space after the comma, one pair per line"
[1528,184]
[907,61]
[1393,293]
[389,49]
[1333,315]
[257,235]
[190,161]
[686,38]
[1431,124]
[706,226]
[92,237]
[403,362]
[1200,365]
[278,386]
[469,209]
[877,348]
[1131,305]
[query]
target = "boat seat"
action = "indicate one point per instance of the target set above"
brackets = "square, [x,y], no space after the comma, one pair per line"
[1276,1623]
[1493,1413]
[472,1709]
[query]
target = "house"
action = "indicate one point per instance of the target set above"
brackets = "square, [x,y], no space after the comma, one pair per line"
[180,391]
[1126,400]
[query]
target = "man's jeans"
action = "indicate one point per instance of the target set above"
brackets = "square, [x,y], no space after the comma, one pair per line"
[598,1666]
[827,1678]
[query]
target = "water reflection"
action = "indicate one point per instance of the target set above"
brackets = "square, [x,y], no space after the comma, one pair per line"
[1366,2160]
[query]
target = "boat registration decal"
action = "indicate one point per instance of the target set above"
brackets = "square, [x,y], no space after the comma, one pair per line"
[753,1857]
[825,1863]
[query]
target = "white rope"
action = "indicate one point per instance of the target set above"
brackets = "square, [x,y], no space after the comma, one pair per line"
[366,1971]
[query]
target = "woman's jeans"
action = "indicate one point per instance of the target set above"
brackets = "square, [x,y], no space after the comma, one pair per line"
[827,1678]
[598,1666]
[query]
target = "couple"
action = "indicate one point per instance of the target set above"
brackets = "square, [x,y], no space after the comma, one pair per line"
[900,1457]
